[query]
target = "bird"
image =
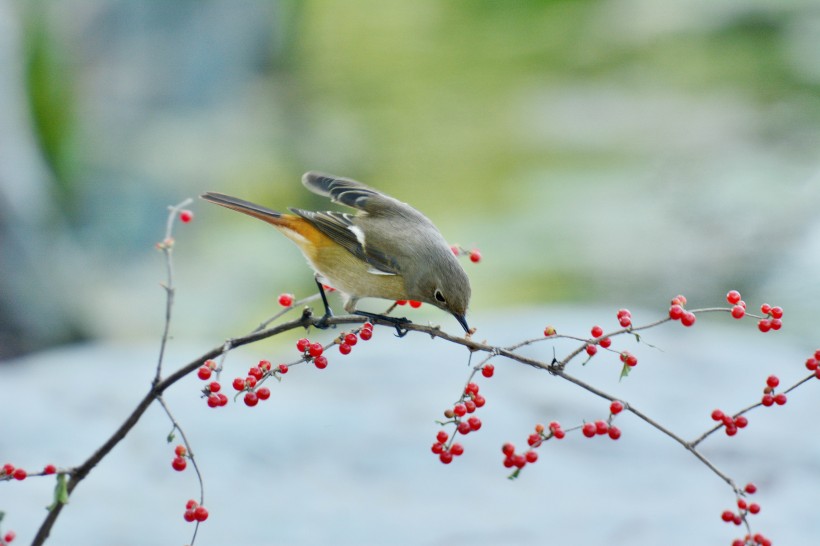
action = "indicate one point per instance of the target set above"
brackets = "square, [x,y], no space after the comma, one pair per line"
[386,249]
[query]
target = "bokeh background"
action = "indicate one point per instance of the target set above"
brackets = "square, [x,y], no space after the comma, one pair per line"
[600,153]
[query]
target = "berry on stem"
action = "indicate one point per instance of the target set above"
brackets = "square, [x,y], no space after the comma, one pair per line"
[285,300]
[185,216]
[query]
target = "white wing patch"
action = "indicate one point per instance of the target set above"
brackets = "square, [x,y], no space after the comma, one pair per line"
[357,231]
[374,271]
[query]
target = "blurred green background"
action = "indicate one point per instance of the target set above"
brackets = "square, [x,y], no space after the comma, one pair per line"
[616,151]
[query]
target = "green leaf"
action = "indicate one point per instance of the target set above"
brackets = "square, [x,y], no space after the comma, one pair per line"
[624,371]
[60,492]
[171,436]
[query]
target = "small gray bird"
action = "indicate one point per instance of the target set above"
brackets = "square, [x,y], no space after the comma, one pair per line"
[386,250]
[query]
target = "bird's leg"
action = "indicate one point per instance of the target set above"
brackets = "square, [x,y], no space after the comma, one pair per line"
[322,322]
[395,321]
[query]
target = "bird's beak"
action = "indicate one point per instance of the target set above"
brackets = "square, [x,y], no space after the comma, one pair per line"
[463,321]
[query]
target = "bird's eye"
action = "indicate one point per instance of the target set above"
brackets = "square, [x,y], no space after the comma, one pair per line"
[439,296]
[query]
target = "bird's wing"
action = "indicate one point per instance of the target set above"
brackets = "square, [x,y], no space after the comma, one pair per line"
[340,227]
[349,192]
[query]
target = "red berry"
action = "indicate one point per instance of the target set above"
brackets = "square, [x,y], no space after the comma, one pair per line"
[285,300]
[49,469]
[625,321]
[320,362]
[474,422]
[180,450]
[741,421]
[812,364]
[179,464]
[519,461]
[351,339]
[531,456]
[442,436]
[630,360]
[446,457]
[741,504]
[676,312]
[688,318]
[459,410]
[776,323]
[19,474]
[204,373]
[316,349]
[457,449]
[591,350]
[470,405]
[601,427]
[754,508]
[437,448]
[401,302]
[487,370]
[256,373]
[9,536]
[616,407]
[605,343]
[508,462]
[679,300]
[764,325]
[772,381]
[475,256]
[731,430]
[200,513]
[365,334]
[186,216]
[302,344]
[776,312]
[214,386]
[189,515]
[559,434]
[765,308]
[8,469]
[767,400]
[614,433]
[717,415]
[414,304]
[738,312]
[727,516]
[508,449]
[597,331]
[549,331]
[455,249]
[733,297]
[471,388]
[534,440]
[214,401]
[589,430]
[283,368]
[464,428]
[344,348]
[251,399]
[263,393]
[780,399]
[479,400]
[623,313]
[750,488]
[250,382]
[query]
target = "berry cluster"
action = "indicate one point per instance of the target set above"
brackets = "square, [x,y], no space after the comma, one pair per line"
[624,318]
[773,319]
[7,472]
[211,392]
[469,402]
[412,303]
[813,363]
[180,461]
[744,509]
[195,512]
[731,424]
[250,384]
[474,254]
[554,430]
[677,311]
[769,396]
